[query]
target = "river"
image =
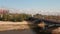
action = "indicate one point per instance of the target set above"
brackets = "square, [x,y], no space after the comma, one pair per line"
[28,31]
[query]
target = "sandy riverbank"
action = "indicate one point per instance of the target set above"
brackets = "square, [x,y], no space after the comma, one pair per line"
[6,25]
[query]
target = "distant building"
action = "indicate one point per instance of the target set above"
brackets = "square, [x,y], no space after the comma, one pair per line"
[3,11]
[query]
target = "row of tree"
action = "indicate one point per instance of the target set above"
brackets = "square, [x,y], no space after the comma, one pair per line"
[47,16]
[14,17]
[22,17]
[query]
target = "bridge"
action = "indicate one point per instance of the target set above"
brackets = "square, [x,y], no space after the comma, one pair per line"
[48,25]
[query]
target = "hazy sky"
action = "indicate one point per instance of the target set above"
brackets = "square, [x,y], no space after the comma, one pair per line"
[53,5]
[30,4]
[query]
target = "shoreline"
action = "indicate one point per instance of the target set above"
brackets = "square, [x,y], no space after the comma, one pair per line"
[12,25]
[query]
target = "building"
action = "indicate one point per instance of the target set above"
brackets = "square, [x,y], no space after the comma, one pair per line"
[3,11]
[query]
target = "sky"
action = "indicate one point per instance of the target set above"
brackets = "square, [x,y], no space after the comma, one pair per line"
[19,4]
[30,4]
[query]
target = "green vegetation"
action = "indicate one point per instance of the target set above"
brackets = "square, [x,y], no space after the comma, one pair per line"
[14,17]
[22,17]
[47,17]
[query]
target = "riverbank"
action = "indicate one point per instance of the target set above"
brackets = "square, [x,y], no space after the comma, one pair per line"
[6,25]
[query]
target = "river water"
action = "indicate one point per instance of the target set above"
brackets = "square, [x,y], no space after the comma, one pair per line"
[18,32]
